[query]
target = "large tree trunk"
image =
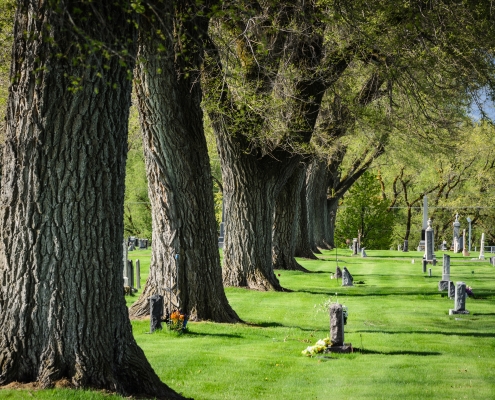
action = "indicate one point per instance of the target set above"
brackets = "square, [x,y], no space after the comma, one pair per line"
[179,175]
[320,215]
[287,209]
[62,308]
[250,186]
[302,241]
[313,174]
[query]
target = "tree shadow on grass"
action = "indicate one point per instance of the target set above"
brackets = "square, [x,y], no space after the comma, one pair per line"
[278,325]
[466,334]
[224,335]
[398,353]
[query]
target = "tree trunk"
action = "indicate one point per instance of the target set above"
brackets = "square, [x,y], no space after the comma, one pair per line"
[302,241]
[287,209]
[332,208]
[320,215]
[313,173]
[62,308]
[179,176]
[250,186]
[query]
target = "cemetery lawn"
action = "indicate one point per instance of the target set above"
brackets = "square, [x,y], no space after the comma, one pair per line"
[406,346]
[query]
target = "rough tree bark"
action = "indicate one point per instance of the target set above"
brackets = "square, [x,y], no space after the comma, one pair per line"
[287,210]
[62,309]
[303,245]
[178,169]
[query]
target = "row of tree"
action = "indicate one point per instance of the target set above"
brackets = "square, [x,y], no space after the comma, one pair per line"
[286,86]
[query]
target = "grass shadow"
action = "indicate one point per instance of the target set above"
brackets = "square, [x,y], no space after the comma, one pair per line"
[471,334]
[398,353]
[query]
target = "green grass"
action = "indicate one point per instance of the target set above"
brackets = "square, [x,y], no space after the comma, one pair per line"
[408,345]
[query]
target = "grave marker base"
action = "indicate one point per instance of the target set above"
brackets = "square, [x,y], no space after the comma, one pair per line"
[452,312]
[345,348]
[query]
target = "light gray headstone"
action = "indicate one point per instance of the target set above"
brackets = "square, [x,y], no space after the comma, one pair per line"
[347,278]
[459,299]
[446,268]
[138,274]
[429,244]
[482,248]
[363,253]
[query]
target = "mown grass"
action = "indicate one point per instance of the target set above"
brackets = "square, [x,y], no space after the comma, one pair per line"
[406,344]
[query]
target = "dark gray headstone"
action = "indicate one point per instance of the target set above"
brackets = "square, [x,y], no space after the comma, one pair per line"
[451,290]
[443,286]
[336,325]
[424,265]
[130,275]
[338,272]
[156,312]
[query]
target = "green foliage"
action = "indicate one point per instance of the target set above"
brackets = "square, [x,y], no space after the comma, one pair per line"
[363,210]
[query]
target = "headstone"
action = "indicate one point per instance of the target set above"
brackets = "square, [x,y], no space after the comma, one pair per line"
[465,252]
[347,278]
[459,300]
[455,240]
[130,273]
[132,247]
[424,263]
[125,254]
[363,253]
[138,274]
[482,248]
[142,243]
[492,261]
[443,286]
[421,245]
[399,247]
[132,240]
[406,245]
[222,235]
[354,246]
[338,272]
[443,246]
[429,245]
[451,290]
[336,325]
[446,268]
[156,312]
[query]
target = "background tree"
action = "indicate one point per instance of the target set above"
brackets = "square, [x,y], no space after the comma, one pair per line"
[62,311]
[366,212]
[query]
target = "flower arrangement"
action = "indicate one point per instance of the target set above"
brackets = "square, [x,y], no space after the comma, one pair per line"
[469,291]
[320,347]
[177,321]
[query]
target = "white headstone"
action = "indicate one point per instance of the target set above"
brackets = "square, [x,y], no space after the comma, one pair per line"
[482,248]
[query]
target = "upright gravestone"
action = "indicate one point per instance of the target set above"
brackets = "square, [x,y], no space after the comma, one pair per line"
[130,273]
[455,241]
[492,261]
[459,300]
[482,248]
[451,290]
[125,254]
[465,252]
[156,312]
[138,274]
[421,245]
[363,253]
[445,282]
[347,279]
[338,272]
[336,325]
[354,246]
[429,244]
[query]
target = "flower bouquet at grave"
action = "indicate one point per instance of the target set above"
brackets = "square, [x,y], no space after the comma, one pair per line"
[320,347]
[469,291]
[177,321]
